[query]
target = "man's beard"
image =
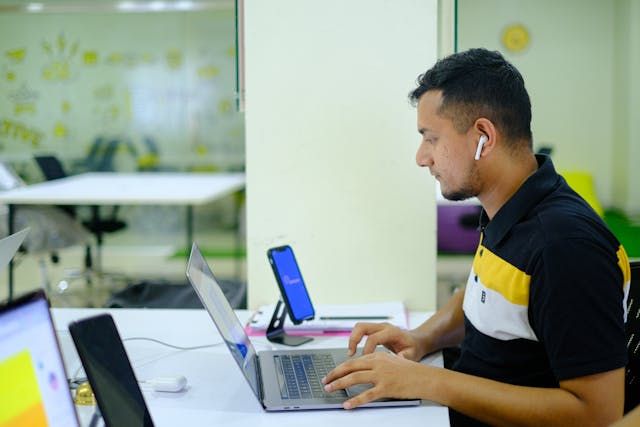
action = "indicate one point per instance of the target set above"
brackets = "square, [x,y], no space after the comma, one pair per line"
[467,190]
[460,194]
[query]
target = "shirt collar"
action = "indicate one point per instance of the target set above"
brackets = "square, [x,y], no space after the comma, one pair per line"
[534,189]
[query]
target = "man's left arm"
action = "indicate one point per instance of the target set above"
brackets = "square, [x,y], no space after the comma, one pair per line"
[577,313]
[596,399]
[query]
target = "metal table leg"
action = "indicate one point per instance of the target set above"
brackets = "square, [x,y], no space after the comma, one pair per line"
[189,228]
[10,225]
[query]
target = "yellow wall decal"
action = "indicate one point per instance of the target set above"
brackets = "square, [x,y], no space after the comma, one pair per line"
[60,130]
[515,38]
[16,55]
[208,72]
[20,132]
[90,57]
[174,59]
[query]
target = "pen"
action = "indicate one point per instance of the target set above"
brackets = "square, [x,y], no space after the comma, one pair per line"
[355,317]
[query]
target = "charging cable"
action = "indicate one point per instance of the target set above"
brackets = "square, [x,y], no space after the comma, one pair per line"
[162,384]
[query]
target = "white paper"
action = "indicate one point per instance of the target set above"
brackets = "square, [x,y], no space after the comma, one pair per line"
[392,312]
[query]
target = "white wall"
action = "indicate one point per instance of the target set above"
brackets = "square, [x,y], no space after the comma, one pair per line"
[622,97]
[568,70]
[632,202]
[330,148]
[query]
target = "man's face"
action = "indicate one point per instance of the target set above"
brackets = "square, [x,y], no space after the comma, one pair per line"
[449,155]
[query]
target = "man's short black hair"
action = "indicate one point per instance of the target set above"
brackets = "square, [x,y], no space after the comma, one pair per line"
[480,83]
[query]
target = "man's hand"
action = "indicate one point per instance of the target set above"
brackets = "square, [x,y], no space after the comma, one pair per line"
[404,343]
[391,376]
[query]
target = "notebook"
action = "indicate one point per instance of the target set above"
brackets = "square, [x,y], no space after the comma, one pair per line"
[34,389]
[281,380]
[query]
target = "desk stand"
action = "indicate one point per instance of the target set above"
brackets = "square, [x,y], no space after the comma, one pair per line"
[275,331]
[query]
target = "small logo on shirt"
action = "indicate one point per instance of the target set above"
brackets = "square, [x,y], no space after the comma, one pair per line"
[483,297]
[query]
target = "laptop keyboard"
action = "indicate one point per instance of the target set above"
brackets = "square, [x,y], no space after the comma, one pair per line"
[300,375]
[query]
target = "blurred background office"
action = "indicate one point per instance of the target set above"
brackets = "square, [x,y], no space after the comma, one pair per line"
[159,86]
[124,87]
[579,60]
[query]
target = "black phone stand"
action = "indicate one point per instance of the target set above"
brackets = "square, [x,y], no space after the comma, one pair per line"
[275,331]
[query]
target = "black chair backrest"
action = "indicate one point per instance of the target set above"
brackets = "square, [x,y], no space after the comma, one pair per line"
[50,167]
[632,373]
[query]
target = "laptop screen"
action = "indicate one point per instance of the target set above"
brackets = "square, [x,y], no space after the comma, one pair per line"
[212,297]
[9,246]
[34,388]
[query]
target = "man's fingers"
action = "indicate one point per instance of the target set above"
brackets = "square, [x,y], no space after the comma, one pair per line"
[357,377]
[405,354]
[359,331]
[380,337]
[366,396]
[371,344]
[345,368]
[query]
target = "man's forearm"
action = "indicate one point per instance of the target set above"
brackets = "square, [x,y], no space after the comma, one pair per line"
[445,328]
[596,400]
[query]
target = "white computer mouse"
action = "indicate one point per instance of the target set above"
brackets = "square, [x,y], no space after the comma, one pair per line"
[168,384]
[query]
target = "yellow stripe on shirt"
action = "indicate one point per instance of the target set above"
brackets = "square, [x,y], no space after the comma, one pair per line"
[502,277]
[623,263]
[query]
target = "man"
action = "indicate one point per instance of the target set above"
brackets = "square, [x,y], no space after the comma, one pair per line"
[541,322]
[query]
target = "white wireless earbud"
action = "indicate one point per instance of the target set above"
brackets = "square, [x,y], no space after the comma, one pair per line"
[483,139]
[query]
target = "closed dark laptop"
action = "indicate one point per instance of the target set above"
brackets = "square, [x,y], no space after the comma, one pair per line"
[109,372]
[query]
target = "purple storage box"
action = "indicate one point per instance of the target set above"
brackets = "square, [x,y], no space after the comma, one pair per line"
[458,228]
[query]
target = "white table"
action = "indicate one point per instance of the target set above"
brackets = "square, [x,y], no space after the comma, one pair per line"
[112,188]
[218,394]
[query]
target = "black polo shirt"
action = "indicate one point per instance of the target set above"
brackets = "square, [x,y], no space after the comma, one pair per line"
[545,300]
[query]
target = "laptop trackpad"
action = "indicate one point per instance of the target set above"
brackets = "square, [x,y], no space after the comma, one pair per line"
[357,389]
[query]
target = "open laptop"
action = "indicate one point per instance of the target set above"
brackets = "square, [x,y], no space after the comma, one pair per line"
[9,246]
[34,389]
[281,380]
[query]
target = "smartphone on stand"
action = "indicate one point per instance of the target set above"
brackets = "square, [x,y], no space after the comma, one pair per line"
[292,287]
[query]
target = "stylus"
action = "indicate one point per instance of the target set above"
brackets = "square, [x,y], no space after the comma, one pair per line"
[355,317]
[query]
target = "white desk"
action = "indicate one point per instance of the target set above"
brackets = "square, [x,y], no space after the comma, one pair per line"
[142,188]
[218,394]
[111,188]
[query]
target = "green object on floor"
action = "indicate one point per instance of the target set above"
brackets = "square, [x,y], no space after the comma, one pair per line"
[213,253]
[627,233]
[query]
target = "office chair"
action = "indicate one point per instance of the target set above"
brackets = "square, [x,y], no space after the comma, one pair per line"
[102,154]
[52,229]
[632,372]
[52,169]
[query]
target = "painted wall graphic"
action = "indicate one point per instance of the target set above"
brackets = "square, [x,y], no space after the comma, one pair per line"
[21,405]
[160,88]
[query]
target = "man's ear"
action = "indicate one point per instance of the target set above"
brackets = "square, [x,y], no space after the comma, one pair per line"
[484,127]
[481,142]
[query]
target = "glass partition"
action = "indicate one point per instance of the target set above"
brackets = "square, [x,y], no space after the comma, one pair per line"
[121,85]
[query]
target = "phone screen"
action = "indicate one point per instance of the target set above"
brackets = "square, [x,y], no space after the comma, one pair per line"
[292,286]
[109,372]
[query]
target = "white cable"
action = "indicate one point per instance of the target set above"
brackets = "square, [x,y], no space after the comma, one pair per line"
[74,380]
[177,347]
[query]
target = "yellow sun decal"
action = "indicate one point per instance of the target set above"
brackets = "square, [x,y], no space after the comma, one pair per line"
[515,38]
